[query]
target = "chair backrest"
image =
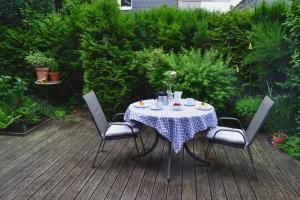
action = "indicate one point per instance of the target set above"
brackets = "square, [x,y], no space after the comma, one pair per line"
[259,118]
[96,112]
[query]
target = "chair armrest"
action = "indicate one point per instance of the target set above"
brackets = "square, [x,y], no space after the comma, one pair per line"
[117,115]
[243,134]
[232,119]
[123,124]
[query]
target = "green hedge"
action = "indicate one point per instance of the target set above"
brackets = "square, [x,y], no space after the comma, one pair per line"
[94,44]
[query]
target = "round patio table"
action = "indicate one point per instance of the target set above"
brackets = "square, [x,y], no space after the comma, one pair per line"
[175,126]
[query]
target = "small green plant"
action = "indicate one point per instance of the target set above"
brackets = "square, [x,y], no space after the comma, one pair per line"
[282,116]
[18,108]
[280,134]
[53,66]
[59,113]
[12,90]
[292,146]
[247,107]
[38,59]
[7,119]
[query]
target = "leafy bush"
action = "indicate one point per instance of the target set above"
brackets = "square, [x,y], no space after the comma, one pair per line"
[105,53]
[12,12]
[16,107]
[270,55]
[7,119]
[270,12]
[292,147]
[292,84]
[201,76]
[12,90]
[247,107]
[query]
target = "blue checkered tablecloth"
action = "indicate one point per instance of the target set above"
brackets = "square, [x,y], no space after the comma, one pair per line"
[177,126]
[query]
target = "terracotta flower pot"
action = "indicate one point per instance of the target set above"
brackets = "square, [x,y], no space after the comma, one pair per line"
[42,73]
[54,76]
[277,138]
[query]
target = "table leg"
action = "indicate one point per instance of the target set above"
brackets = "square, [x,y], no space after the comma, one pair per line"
[170,160]
[202,161]
[147,151]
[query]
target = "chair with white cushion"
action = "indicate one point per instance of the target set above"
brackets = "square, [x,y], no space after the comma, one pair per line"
[113,130]
[239,137]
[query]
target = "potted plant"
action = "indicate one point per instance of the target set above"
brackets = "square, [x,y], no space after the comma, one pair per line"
[278,138]
[280,120]
[41,63]
[54,74]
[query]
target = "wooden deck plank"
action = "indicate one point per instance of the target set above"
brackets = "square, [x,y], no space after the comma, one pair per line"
[8,142]
[240,176]
[215,179]
[26,150]
[121,181]
[56,164]
[202,181]
[97,177]
[290,168]
[277,175]
[51,157]
[84,165]
[188,175]
[175,185]
[111,175]
[230,185]
[70,160]
[160,187]
[259,187]
[16,143]
[147,185]
[269,181]
[84,177]
[41,156]
[138,175]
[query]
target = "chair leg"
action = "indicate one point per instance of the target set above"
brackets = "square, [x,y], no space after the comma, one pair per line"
[93,166]
[209,146]
[103,145]
[170,160]
[252,162]
[143,146]
[136,145]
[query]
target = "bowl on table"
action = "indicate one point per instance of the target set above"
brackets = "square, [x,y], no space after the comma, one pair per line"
[177,106]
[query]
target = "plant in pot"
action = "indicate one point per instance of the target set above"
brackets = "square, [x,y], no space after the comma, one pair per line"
[281,120]
[41,63]
[54,74]
[278,138]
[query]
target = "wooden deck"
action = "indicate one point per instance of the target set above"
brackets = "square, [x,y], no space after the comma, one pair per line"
[54,162]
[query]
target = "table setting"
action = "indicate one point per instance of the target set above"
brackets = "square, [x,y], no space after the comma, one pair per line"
[174,119]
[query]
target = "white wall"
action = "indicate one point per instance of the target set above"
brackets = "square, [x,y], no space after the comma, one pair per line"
[211,5]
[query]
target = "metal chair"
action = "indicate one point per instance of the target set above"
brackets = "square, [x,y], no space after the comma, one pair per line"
[113,130]
[240,138]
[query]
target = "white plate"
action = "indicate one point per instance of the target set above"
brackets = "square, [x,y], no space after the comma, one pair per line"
[200,108]
[137,105]
[177,108]
[189,104]
[154,108]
